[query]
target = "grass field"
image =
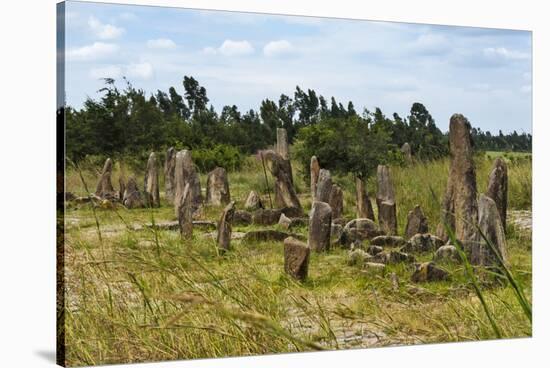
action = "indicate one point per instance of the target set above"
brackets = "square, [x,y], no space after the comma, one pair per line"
[146,295]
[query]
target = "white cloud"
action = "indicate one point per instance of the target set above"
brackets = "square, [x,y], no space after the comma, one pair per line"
[525,89]
[104,31]
[235,48]
[209,51]
[111,71]
[503,52]
[128,16]
[161,43]
[278,48]
[141,70]
[429,43]
[94,51]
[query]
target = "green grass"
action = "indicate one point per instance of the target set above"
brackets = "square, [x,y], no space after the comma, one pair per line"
[143,295]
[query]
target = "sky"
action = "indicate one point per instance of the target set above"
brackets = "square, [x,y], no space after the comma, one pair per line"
[243,58]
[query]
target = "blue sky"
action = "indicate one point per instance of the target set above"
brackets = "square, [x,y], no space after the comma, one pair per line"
[244,58]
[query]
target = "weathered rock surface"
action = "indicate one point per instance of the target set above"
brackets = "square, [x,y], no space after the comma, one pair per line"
[185,173]
[357,257]
[497,189]
[406,150]
[268,235]
[359,229]
[253,201]
[364,205]
[320,220]
[314,169]
[266,216]
[242,218]
[324,186]
[420,243]
[374,250]
[285,195]
[388,240]
[446,253]
[284,221]
[392,257]
[490,225]
[296,254]
[428,271]
[459,208]
[185,212]
[224,227]
[336,201]
[372,268]
[336,231]
[151,182]
[282,144]
[132,197]
[104,188]
[417,223]
[217,187]
[385,200]
[169,175]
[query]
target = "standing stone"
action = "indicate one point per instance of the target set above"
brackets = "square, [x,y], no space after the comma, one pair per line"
[152,196]
[224,226]
[253,201]
[217,187]
[285,195]
[185,173]
[314,175]
[497,189]
[296,255]
[364,205]
[320,220]
[104,188]
[336,201]
[184,207]
[490,225]
[459,208]
[132,196]
[169,172]
[406,150]
[324,186]
[385,200]
[282,143]
[417,223]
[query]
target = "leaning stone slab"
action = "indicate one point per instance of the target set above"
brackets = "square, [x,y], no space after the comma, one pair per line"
[417,223]
[497,189]
[296,255]
[320,220]
[217,187]
[284,221]
[224,227]
[490,226]
[285,195]
[420,243]
[359,229]
[132,196]
[388,240]
[253,201]
[104,188]
[151,182]
[428,271]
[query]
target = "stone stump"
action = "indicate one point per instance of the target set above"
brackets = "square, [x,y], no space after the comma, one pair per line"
[336,201]
[406,150]
[169,172]
[253,201]
[224,227]
[296,255]
[459,207]
[324,186]
[497,189]
[217,187]
[184,207]
[104,188]
[151,183]
[320,223]
[185,173]
[285,195]
[385,200]
[314,169]
[417,223]
[364,205]
[132,196]
[490,225]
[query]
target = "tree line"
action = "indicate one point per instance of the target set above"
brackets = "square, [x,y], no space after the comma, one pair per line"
[128,122]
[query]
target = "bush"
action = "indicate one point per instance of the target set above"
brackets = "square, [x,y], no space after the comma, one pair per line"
[228,157]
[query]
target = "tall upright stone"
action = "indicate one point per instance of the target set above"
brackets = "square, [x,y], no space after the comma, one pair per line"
[184,174]
[336,201]
[132,197]
[385,200]
[285,195]
[104,188]
[296,254]
[497,189]
[364,205]
[217,187]
[253,201]
[224,227]
[282,149]
[417,223]
[169,172]
[314,175]
[324,186]
[406,151]
[320,223]
[490,225]
[151,183]
[184,206]
[459,207]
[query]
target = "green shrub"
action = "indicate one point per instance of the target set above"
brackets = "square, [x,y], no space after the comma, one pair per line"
[222,155]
